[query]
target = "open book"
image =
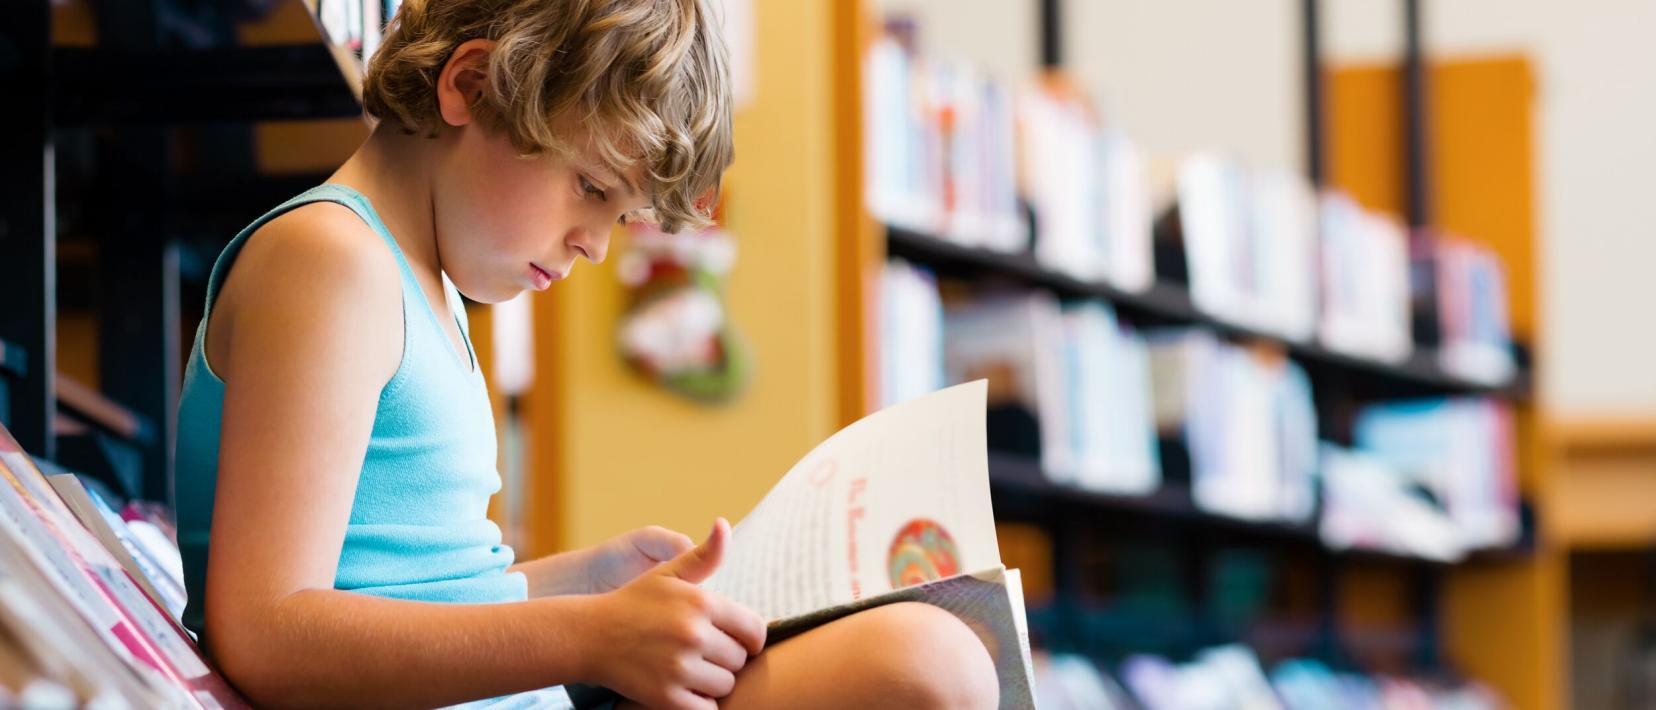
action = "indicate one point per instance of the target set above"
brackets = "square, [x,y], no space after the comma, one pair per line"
[892,508]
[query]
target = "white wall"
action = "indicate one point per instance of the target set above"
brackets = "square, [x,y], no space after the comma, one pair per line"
[1001,37]
[1182,75]
[1596,113]
[1188,75]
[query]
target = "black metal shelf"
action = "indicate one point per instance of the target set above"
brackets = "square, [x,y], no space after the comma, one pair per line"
[216,85]
[1022,491]
[14,362]
[1167,303]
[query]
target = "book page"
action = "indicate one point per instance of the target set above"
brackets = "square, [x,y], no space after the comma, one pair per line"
[898,498]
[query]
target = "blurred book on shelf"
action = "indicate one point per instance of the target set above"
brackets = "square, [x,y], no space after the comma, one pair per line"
[950,152]
[1247,419]
[1096,402]
[911,329]
[1367,505]
[1365,282]
[1430,478]
[940,149]
[1112,444]
[1086,185]
[1461,450]
[1015,342]
[85,622]
[1250,245]
[1231,677]
[1476,336]
[1069,384]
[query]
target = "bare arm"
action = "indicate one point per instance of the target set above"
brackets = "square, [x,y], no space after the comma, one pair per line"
[562,573]
[305,338]
[312,315]
[606,566]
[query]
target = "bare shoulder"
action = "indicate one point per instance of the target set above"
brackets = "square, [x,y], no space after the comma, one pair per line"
[315,271]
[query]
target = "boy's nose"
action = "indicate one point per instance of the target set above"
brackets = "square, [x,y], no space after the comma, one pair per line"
[592,244]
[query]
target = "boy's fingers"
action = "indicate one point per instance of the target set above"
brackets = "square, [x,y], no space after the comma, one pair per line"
[686,699]
[741,624]
[724,651]
[661,544]
[710,680]
[699,562]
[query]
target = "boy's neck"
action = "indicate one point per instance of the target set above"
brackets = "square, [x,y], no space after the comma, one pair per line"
[393,171]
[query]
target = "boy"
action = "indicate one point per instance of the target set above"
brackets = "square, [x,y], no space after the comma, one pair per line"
[336,444]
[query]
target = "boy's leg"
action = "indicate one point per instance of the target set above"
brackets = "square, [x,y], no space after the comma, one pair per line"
[905,655]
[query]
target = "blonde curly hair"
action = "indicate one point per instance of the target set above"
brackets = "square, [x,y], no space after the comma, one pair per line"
[651,76]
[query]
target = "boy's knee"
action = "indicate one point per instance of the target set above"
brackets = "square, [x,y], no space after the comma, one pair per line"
[927,658]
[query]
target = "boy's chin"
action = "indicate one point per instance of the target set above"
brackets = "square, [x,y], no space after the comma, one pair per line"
[490,294]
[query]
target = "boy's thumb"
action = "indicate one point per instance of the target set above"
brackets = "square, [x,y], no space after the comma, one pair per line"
[698,563]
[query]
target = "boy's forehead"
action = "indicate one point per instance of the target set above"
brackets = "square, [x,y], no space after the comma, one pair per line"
[632,176]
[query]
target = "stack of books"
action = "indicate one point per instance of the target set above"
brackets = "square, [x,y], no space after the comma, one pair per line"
[89,601]
[1433,478]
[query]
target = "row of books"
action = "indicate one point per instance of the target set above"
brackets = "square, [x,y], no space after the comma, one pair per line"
[1366,298]
[1081,374]
[355,25]
[1095,400]
[1472,312]
[1250,244]
[952,153]
[1231,678]
[1246,417]
[1430,478]
[89,601]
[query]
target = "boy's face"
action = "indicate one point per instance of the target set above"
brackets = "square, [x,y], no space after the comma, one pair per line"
[506,223]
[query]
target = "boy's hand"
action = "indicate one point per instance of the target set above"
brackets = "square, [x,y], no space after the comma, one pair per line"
[666,642]
[622,558]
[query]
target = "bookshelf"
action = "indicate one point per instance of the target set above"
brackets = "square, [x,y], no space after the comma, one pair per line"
[1166,303]
[1491,616]
[1024,493]
[140,143]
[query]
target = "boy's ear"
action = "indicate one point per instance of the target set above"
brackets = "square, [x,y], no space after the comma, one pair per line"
[462,82]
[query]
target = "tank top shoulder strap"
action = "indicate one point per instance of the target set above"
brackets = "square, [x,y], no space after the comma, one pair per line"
[326,192]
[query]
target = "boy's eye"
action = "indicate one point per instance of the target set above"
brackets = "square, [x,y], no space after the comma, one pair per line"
[589,188]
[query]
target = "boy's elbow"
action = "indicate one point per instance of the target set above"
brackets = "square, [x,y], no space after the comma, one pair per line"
[250,657]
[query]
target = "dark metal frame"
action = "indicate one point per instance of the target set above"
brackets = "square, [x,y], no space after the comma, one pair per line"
[28,288]
[159,65]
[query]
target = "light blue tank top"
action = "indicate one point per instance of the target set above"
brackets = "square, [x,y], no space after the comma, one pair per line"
[418,527]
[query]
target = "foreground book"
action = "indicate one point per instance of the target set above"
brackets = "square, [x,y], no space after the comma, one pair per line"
[894,507]
[83,629]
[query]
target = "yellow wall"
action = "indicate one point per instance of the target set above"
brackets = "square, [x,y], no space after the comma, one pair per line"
[612,452]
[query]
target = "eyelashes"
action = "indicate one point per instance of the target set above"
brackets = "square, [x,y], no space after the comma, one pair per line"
[589,188]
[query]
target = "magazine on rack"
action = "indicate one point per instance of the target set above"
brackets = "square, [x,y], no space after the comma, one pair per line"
[894,507]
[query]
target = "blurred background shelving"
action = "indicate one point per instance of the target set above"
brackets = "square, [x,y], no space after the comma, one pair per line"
[165,126]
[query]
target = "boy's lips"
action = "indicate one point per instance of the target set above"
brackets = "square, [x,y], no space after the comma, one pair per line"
[542,276]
